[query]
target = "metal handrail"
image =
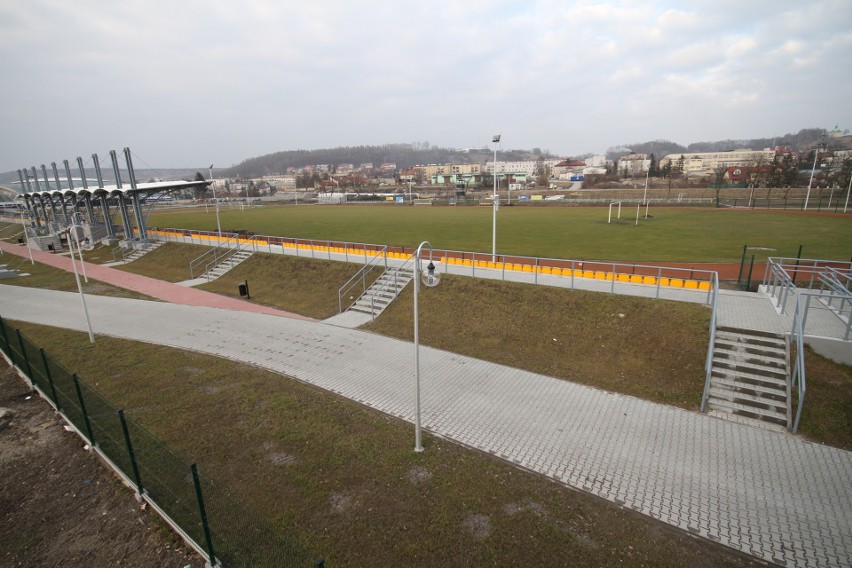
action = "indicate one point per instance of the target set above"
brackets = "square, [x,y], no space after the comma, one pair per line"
[361,275]
[708,365]
[215,255]
[393,279]
[798,379]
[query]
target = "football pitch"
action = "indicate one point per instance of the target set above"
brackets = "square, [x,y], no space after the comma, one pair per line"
[672,235]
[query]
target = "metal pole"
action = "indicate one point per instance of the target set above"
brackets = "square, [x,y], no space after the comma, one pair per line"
[83,409]
[742,264]
[494,206]
[211,558]
[49,377]
[216,201]
[810,183]
[27,238]
[418,446]
[131,453]
[849,189]
[80,288]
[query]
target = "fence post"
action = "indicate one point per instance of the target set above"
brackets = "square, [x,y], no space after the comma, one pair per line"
[751,266]
[24,355]
[83,408]
[49,377]
[131,453]
[6,348]
[742,263]
[203,512]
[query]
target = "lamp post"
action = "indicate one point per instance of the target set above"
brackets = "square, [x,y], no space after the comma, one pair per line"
[27,238]
[495,140]
[430,278]
[846,205]
[813,170]
[216,201]
[77,277]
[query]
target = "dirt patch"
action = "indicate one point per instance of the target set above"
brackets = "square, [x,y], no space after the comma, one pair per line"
[419,474]
[60,505]
[341,502]
[478,526]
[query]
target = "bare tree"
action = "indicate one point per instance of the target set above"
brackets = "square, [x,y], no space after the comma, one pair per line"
[719,180]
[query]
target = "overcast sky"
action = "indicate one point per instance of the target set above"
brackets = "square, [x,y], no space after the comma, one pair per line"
[185,83]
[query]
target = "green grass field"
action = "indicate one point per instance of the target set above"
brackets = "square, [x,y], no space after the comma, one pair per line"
[685,235]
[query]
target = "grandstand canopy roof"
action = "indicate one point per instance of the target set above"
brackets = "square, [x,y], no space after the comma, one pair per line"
[144,188]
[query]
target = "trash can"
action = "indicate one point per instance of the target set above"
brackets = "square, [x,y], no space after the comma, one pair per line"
[244,289]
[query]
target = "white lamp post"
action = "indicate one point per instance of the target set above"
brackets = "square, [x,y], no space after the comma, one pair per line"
[495,140]
[810,183]
[430,278]
[213,185]
[27,238]
[846,205]
[77,277]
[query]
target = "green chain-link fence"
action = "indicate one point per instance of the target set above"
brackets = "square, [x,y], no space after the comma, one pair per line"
[219,524]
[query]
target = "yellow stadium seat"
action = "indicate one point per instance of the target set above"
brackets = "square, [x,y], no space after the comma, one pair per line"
[703,285]
[691,284]
[676,283]
[649,280]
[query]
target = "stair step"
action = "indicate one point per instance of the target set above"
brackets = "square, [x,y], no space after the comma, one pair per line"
[749,368]
[726,344]
[740,397]
[778,390]
[750,333]
[749,411]
[770,362]
[748,378]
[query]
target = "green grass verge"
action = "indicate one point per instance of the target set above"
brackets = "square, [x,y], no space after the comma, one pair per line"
[169,262]
[827,411]
[684,235]
[652,349]
[49,278]
[343,480]
[301,285]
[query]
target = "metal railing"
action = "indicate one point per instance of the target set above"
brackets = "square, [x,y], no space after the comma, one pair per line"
[832,279]
[215,256]
[379,261]
[708,365]
[391,286]
[798,380]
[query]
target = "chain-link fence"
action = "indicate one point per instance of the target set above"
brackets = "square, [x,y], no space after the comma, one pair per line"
[215,523]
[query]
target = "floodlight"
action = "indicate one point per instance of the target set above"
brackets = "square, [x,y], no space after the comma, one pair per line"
[495,138]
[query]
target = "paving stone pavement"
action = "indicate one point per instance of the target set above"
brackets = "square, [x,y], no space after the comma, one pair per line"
[769,494]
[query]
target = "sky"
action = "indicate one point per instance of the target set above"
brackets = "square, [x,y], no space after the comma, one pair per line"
[187,83]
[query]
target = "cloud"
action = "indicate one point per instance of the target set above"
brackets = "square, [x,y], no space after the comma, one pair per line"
[193,81]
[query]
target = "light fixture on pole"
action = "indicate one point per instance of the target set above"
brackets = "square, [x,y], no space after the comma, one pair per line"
[645,194]
[495,140]
[846,205]
[430,278]
[216,201]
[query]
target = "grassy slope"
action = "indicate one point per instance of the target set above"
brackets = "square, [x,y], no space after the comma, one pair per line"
[704,235]
[344,480]
[652,349]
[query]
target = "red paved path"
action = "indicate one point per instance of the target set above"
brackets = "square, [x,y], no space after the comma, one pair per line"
[152,287]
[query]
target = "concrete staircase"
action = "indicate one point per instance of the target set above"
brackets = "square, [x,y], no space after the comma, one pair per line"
[136,254]
[749,379]
[383,291]
[228,264]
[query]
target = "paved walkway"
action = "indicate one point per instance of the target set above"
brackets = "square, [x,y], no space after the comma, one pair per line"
[766,493]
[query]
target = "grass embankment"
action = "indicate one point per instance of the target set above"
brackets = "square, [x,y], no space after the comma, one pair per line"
[827,411]
[169,262]
[646,348]
[343,480]
[682,235]
[302,285]
[49,278]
